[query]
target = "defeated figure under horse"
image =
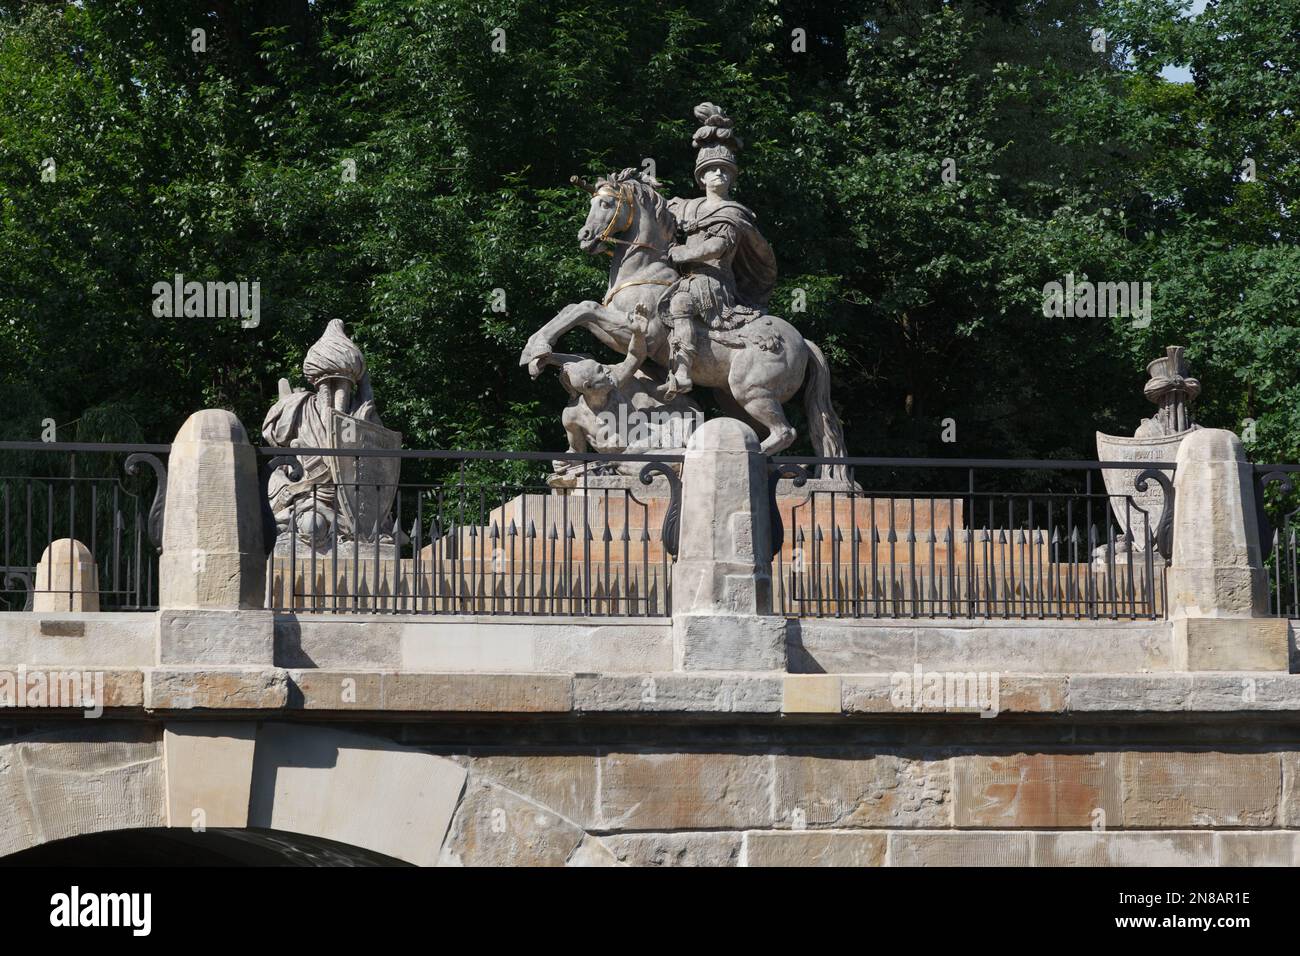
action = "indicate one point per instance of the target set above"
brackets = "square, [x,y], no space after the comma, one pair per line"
[752,365]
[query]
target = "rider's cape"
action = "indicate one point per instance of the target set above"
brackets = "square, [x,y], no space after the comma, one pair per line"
[754,263]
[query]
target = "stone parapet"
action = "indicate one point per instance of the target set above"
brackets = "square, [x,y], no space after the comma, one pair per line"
[638,645]
[212,549]
[900,696]
[1217,566]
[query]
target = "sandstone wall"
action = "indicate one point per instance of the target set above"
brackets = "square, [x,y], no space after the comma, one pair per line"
[614,792]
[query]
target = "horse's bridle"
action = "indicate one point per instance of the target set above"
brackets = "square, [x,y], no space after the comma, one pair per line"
[622,200]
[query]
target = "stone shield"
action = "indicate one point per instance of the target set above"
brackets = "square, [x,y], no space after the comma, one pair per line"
[366,485]
[1120,481]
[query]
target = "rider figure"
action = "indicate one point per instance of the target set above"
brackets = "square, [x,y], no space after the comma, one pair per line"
[727,268]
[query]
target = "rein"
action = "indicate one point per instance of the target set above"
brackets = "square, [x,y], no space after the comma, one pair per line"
[623,200]
[627,285]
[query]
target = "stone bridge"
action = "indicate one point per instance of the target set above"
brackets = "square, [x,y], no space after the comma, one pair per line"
[722,735]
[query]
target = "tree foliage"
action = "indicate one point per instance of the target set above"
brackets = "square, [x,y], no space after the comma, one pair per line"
[227,164]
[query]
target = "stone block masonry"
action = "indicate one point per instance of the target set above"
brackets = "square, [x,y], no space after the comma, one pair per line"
[722,581]
[724,735]
[609,792]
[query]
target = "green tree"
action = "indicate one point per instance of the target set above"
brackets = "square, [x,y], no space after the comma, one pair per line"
[234,162]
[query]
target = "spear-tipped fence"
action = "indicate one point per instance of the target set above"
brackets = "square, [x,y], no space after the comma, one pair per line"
[1067,547]
[474,541]
[1278,515]
[487,533]
[98,494]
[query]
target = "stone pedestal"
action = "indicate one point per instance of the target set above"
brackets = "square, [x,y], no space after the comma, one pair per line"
[212,572]
[722,581]
[1217,568]
[66,578]
[1216,579]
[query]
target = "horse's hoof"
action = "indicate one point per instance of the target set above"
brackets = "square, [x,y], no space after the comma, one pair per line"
[534,351]
[536,365]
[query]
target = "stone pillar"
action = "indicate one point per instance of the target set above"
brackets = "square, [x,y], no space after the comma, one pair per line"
[722,580]
[212,572]
[66,578]
[1216,578]
[209,772]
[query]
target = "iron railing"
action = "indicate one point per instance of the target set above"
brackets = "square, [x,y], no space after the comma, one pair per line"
[984,539]
[100,495]
[470,541]
[482,532]
[1277,516]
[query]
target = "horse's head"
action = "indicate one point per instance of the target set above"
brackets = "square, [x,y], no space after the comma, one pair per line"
[615,215]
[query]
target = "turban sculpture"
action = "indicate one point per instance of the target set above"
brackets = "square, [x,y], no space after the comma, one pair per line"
[334,356]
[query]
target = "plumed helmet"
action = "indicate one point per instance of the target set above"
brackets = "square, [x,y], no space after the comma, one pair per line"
[716,139]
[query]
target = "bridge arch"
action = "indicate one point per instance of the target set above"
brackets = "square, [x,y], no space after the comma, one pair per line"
[177,846]
[304,788]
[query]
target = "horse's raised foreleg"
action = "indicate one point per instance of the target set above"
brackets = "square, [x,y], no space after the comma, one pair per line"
[610,326]
[542,342]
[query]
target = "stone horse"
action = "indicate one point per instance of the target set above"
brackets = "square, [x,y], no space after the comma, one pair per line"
[751,369]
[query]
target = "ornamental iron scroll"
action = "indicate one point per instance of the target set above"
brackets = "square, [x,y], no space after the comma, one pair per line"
[25,584]
[796,473]
[672,518]
[156,510]
[1266,527]
[1164,535]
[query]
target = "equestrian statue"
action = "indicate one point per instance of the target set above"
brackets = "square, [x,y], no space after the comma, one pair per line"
[703,273]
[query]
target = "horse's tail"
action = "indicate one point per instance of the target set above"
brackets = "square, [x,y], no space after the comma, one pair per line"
[827,433]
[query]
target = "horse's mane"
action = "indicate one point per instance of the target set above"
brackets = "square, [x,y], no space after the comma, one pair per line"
[647,189]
